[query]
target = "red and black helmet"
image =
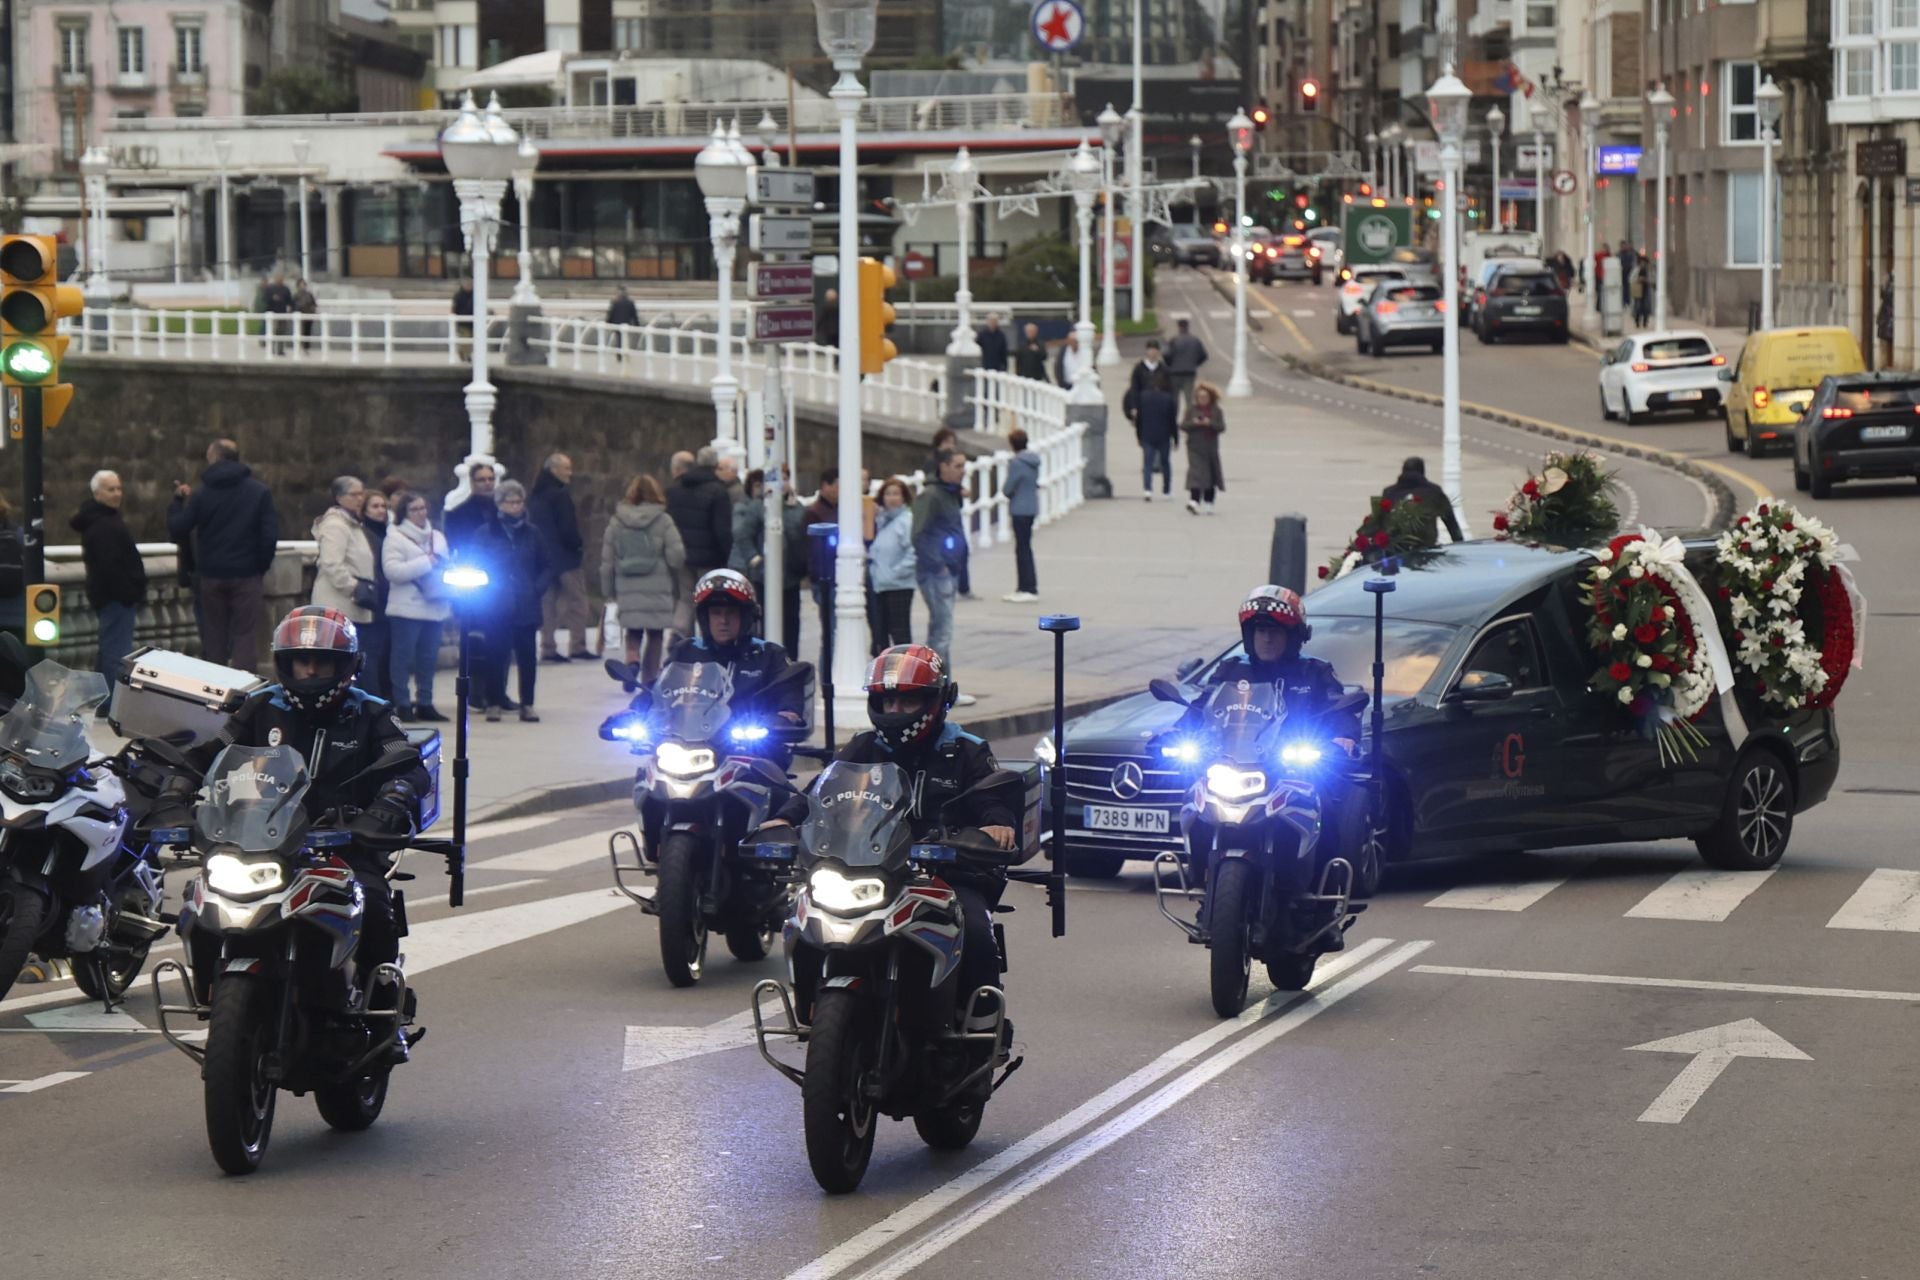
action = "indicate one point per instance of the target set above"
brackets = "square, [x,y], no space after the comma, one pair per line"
[909,669]
[1271,606]
[725,586]
[315,631]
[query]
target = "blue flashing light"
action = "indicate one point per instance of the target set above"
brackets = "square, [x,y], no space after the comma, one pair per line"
[749,733]
[630,729]
[1300,754]
[464,577]
[1186,751]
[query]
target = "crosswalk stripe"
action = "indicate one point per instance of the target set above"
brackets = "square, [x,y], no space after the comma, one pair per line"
[1889,901]
[1510,895]
[1699,895]
[552,857]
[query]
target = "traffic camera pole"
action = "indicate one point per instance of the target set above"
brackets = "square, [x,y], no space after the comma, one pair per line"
[1059,624]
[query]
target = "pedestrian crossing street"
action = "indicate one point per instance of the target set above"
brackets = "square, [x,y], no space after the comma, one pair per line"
[1886,900]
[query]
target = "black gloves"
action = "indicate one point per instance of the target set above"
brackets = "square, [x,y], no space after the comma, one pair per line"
[389,817]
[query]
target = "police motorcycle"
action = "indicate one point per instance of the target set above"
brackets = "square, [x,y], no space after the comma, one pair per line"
[271,924]
[708,774]
[1255,822]
[873,949]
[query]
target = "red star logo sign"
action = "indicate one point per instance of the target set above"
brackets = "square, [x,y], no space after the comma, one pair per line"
[1056,28]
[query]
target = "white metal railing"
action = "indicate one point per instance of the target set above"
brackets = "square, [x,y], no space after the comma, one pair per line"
[280,337]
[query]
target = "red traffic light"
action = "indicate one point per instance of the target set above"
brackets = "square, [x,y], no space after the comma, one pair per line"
[1261,115]
[1309,88]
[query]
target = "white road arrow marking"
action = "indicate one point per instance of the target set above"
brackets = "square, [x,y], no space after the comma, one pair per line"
[656,1046]
[1713,1050]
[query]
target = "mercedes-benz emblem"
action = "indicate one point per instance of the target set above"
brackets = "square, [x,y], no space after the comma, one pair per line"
[1127,781]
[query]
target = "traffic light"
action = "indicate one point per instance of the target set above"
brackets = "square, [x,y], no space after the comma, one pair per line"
[876,313]
[1261,115]
[32,304]
[1309,95]
[43,614]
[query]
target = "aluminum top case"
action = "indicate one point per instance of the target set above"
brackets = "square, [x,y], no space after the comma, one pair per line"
[183,700]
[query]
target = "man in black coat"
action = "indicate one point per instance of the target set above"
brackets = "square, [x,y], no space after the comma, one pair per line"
[234,528]
[621,311]
[993,345]
[1030,361]
[474,518]
[564,605]
[1414,486]
[116,576]
[703,512]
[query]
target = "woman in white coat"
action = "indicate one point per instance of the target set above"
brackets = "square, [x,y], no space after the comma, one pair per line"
[417,604]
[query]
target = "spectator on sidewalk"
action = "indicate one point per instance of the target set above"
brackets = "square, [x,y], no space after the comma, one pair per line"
[1067,361]
[824,509]
[1628,259]
[233,528]
[944,439]
[1157,428]
[343,577]
[1413,486]
[1640,289]
[116,575]
[1562,270]
[826,320]
[521,565]
[1185,354]
[1022,490]
[993,345]
[728,473]
[890,566]
[1030,361]
[1204,423]
[413,557]
[564,606]
[1143,373]
[474,518]
[621,310]
[677,465]
[643,570]
[938,537]
[699,505]
[376,634]
[463,306]
[279,300]
[307,307]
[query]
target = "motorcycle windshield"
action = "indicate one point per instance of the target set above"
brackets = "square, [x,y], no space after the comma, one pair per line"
[690,701]
[47,727]
[1239,714]
[853,811]
[253,798]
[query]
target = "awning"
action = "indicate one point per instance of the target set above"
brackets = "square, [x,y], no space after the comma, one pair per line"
[534,69]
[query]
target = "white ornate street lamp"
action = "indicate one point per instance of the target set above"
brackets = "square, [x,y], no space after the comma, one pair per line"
[1447,103]
[1193,145]
[721,170]
[1083,175]
[1661,103]
[1767,99]
[1390,160]
[480,151]
[1539,180]
[1112,125]
[94,164]
[961,180]
[1373,158]
[1590,132]
[222,153]
[847,29]
[1496,128]
[1240,134]
[526,160]
[1136,202]
[302,146]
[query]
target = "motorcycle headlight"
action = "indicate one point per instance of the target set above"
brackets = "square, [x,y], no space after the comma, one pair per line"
[1044,752]
[842,893]
[682,762]
[25,786]
[1230,783]
[232,877]
[1300,754]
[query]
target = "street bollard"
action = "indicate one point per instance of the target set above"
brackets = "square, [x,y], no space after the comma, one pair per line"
[1287,561]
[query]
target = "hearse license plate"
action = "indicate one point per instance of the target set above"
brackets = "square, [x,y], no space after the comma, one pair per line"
[1113,817]
[1870,435]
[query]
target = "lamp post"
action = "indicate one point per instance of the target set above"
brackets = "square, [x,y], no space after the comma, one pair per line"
[1193,146]
[94,163]
[302,145]
[1407,146]
[1083,175]
[479,151]
[1389,158]
[847,29]
[1112,125]
[1240,133]
[1496,129]
[1136,202]
[526,160]
[1373,158]
[1589,130]
[1539,183]
[961,179]
[1767,98]
[721,171]
[222,153]
[1447,102]
[1662,104]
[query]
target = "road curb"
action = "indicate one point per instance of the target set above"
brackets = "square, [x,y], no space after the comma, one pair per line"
[1215,278]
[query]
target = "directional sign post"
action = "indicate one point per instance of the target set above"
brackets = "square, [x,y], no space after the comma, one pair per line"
[771,233]
[1713,1050]
[779,280]
[783,324]
[779,186]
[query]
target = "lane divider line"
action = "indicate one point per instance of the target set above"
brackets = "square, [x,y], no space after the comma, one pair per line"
[1668,984]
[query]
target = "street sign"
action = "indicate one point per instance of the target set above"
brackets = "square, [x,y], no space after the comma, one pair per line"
[1913,192]
[1426,155]
[779,280]
[783,324]
[1880,158]
[1535,157]
[1619,159]
[767,233]
[780,186]
[1516,188]
[1058,25]
[1373,234]
[1564,183]
[915,265]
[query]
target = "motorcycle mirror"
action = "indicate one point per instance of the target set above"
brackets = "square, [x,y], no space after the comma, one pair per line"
[1166,691]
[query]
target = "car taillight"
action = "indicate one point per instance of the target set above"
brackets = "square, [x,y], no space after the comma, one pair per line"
[1836,413]
[1761,398]
[1441,305]
[1273,253]
[1387,308]
[1313,253]
[1345,274]
[1718,360]
[1641,366]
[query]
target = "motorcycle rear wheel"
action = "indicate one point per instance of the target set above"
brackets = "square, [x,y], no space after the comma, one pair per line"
[683,930]
[354,1106]
[840,1123]
[1230,953]
[121,968]
[952,1127]
[239,1098]
[23,913]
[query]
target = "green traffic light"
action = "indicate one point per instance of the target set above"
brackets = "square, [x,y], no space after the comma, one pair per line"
[45,631]
[27,362]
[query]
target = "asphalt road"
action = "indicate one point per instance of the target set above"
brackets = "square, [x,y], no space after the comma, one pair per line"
[1477,1088]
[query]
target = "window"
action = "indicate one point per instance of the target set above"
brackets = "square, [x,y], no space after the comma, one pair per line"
[69,136]
[1743,220]
[1509,650]
[626,33]
[73,49]
[1859,17]
[1903,13]
[1739,80]
[1856,73]
[187,58]
[1541,15]
[133,51]
[1903,66]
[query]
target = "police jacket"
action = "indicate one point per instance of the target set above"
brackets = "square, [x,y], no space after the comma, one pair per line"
[1308,685]
[756,665]
[336,745]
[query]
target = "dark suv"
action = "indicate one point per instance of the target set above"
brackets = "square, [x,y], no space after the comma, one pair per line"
[1860,426]
[1522,302]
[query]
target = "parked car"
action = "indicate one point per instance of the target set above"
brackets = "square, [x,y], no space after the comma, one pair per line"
[1522,302]
[1774,379]
[1354,290]
[1193,246]
[1475,290]
[1401,313]
[1654,372]
[1493,742]
[1858,427]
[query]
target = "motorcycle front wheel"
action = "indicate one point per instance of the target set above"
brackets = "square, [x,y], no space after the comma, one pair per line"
[23,913]
[840,1121]
[683,930]
[1230,947]
[239,1096]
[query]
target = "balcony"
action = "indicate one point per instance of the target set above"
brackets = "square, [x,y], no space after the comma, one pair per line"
[135,82]
[67,77]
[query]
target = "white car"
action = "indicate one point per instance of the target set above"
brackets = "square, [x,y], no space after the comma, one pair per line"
[1661,372]
[1358,285]
[1333,254]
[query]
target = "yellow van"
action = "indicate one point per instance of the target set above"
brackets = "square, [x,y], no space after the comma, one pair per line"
[1774,380]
